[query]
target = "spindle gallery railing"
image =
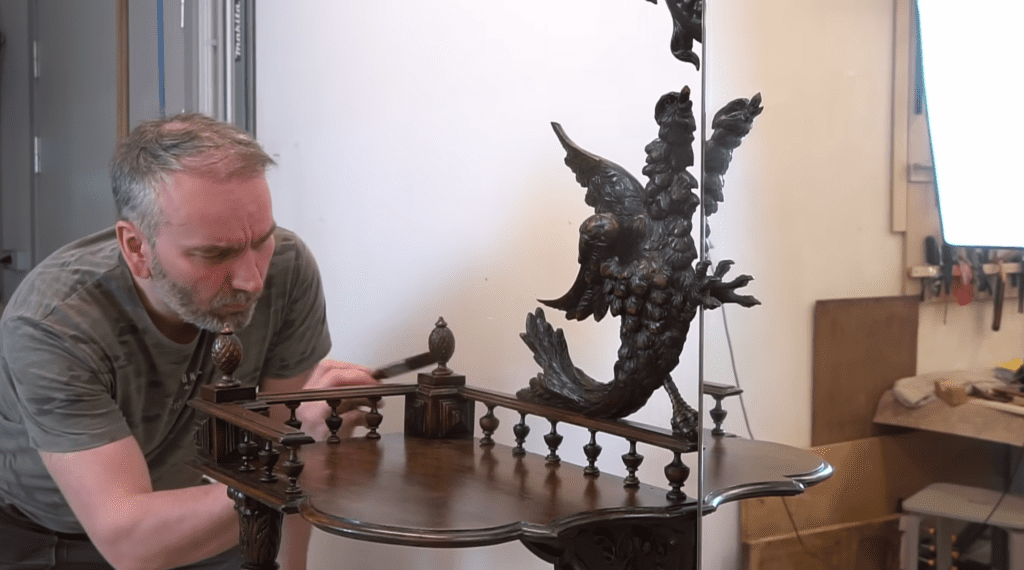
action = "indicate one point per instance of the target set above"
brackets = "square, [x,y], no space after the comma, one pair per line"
[239,434]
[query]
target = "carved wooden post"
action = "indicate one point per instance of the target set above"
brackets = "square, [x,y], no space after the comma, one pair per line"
[259,532]
[436,410]
[216,438]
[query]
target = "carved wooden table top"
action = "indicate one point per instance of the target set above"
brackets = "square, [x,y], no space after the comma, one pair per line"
[454,492]
[438,485]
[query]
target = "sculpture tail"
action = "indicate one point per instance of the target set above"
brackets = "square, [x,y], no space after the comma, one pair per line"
[559,383]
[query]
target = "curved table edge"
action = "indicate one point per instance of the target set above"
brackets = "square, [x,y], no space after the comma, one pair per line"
[793,485]
[462,538]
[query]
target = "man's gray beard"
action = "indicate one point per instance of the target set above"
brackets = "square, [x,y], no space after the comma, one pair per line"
[179,299]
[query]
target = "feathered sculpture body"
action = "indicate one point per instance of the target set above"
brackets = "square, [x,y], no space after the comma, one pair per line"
[636,256]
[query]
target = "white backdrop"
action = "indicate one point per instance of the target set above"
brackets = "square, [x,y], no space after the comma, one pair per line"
[417,159]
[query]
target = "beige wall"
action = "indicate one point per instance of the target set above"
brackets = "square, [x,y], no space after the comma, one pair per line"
[416,158]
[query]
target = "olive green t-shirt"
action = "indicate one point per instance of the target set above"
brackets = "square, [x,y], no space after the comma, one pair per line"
[82,365]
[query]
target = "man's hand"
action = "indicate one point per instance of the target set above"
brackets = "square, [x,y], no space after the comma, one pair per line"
[335,374]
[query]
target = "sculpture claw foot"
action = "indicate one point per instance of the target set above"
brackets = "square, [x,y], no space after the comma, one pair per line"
[717,292]
[685,422]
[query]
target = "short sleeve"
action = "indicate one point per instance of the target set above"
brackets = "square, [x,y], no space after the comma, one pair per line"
[64,398]
[303,339]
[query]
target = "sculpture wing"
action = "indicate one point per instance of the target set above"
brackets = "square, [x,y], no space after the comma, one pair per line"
[606,238]
[598,243]
[731,123]
[610,188]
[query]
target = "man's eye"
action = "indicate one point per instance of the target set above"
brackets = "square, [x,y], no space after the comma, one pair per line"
[217,256]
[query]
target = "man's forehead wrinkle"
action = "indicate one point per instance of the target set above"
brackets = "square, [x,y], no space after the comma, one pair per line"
[231,244]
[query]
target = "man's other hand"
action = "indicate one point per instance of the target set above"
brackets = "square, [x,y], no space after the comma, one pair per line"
[336,374]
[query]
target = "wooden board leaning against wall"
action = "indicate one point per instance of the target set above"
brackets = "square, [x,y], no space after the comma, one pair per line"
[861,346]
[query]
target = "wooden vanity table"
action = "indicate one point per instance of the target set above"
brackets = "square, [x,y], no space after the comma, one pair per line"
[439,484]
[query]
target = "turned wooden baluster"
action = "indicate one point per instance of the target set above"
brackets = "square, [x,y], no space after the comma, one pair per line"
[632,461]
[292,420]
[676,473]
[247,448]
[373,418]
[488,424]
[592,450]
[269,456]
[520,430]
[719,392]
[334,421]
[553,439]
[292,468]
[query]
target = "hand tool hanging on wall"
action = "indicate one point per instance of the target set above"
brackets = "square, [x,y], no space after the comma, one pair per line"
[1020,288]
[997,297]
[932,256]
[1015,279]
[948,261]
[963,288]
[978,258]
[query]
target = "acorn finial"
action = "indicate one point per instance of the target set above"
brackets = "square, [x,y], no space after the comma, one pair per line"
[442,345]
[227,354]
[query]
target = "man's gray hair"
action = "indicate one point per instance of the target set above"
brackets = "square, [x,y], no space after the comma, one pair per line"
[194,143]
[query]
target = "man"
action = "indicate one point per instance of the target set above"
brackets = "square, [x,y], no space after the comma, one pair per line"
[107,339]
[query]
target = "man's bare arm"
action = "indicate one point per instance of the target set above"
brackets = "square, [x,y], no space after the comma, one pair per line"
[134,528]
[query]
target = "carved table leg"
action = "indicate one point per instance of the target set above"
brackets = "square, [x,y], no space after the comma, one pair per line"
[259,532]
[639,544]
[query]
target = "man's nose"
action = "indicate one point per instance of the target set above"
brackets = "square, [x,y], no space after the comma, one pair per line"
[247,274]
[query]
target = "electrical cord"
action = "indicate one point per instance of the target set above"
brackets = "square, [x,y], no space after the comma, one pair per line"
[750,432]
[1006,491]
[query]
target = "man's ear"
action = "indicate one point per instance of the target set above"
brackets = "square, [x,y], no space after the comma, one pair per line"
[134,248]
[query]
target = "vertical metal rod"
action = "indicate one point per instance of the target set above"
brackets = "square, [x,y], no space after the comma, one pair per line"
[250,67]
[160,57]
[699,538]
[227,58]
[33,26]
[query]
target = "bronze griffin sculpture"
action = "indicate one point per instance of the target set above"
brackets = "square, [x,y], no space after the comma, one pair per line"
[637,256]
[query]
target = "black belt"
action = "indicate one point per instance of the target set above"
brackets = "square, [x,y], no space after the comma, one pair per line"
[11,515]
